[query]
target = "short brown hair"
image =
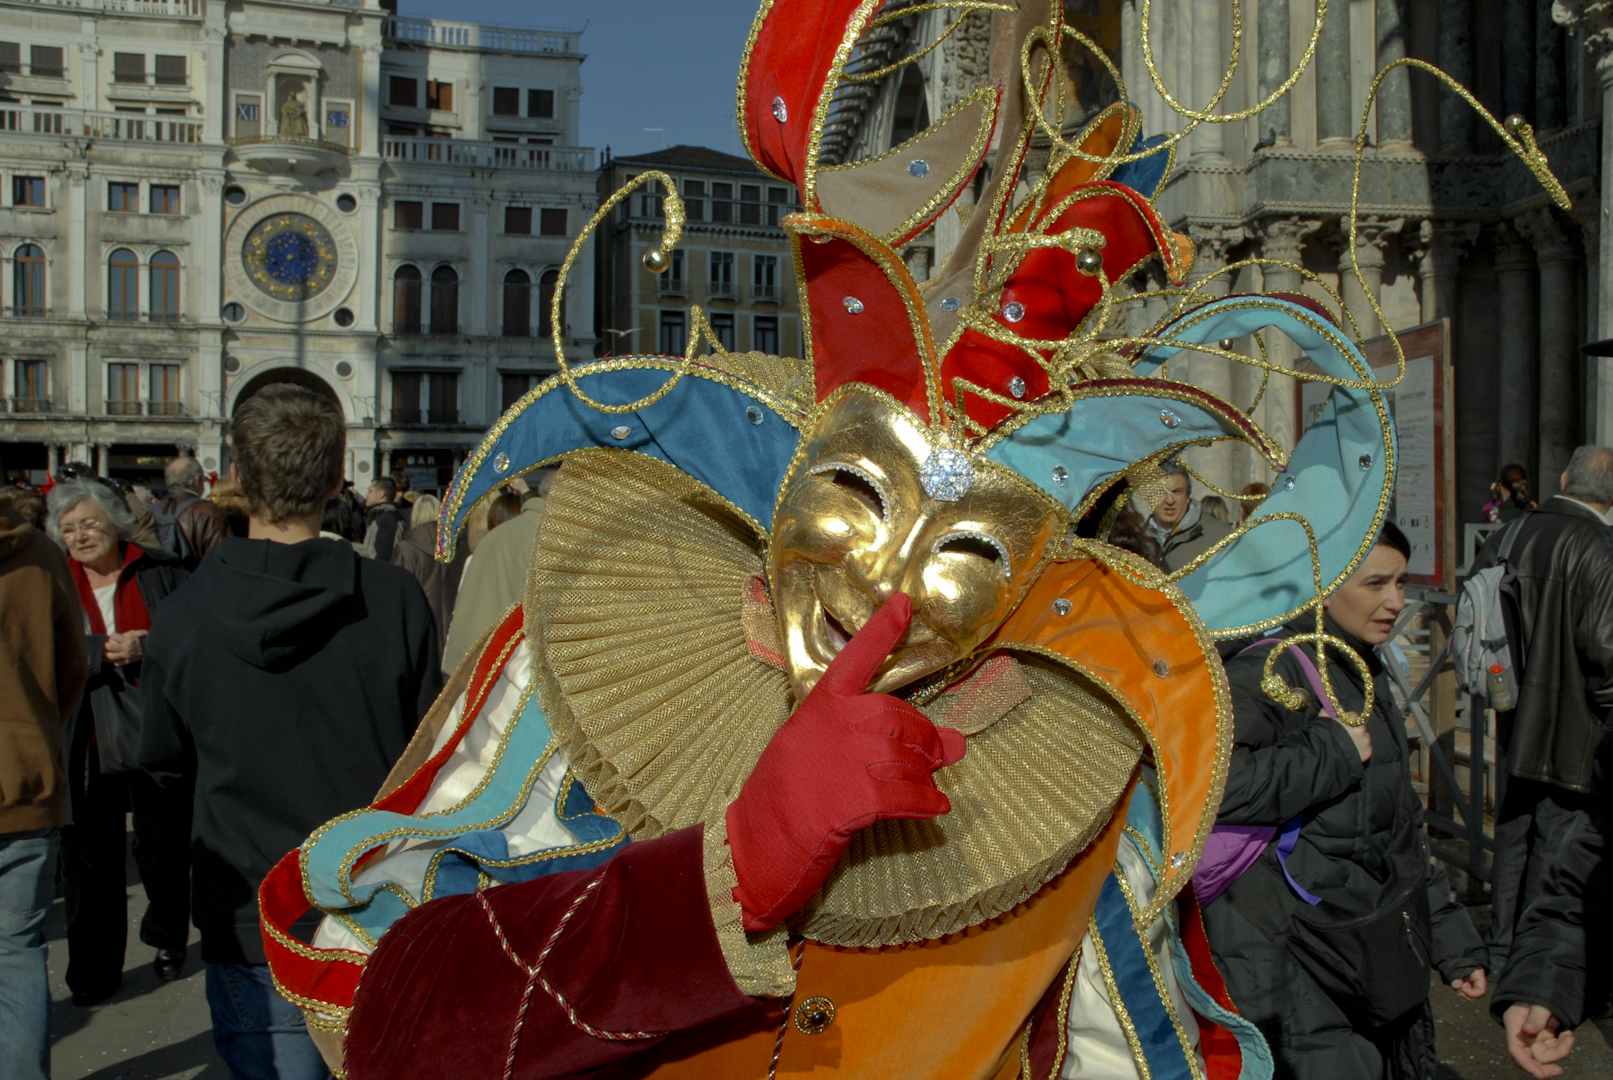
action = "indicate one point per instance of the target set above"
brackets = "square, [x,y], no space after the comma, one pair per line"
[287,445]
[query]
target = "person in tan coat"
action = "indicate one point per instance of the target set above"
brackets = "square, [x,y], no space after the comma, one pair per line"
[41,678]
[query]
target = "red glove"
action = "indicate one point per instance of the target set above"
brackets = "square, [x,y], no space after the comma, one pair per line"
[842,761]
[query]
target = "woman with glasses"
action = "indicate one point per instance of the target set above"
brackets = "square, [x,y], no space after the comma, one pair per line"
[120,585]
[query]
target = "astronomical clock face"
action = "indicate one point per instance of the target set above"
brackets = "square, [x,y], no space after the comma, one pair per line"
[291,258]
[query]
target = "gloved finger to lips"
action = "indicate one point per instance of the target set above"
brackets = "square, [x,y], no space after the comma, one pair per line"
[853,669]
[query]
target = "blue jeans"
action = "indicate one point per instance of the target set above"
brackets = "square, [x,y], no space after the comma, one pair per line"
[27,887]
[259,1034]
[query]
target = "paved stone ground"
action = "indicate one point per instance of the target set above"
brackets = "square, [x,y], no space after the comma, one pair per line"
[152,1030]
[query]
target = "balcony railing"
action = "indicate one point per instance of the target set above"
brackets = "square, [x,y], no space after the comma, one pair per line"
[151,78]
[475,36]
[146,408]
[127,127]
[174,9]
[487,154]
[724,289]
[671,286]
[28,404]
[425,416]
[768,293]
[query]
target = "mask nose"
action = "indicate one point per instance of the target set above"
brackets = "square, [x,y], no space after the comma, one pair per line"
[892,567]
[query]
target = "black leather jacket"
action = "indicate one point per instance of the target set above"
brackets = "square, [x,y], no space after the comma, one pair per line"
[1564,560]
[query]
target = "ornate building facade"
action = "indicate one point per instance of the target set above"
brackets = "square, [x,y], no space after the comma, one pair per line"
[1451,224]
[734,260]
[204,198]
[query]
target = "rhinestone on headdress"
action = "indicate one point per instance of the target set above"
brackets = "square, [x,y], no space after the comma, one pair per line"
[1016,386]
[1169,419]
[1178,860]
[853,305]
[947,475]
[951,303]
[620,431]
[1013,311]
[1288,483]
[1061,606]
[501,462]
[753,413]
[918,168]
[1162,668]
[781,112]
[1061,475]
[1366,462]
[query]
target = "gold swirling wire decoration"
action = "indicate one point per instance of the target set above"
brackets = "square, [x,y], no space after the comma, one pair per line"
[920,9]
[673,208]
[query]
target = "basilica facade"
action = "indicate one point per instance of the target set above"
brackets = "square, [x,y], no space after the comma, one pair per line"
[1451,226]
[202,198]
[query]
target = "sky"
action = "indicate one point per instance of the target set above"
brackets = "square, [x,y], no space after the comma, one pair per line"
[668,64]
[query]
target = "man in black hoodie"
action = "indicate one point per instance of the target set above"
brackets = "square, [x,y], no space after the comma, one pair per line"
[294,673]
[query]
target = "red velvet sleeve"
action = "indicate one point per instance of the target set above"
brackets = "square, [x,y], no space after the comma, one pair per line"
[583,969]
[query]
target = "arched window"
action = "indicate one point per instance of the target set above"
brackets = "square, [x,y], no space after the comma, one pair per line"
[165,287]
[546,286]
[444,301]
[28,289]
[406,301]
[123,285]
[517,304]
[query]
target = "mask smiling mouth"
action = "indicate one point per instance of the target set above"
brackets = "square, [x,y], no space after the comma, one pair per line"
[836,632]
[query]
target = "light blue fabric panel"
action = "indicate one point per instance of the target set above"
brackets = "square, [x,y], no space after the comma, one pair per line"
[1099,437]
[504,793]
[701,426]
[1261,578]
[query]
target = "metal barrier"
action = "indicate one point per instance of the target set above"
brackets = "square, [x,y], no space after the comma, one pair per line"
[1430,604]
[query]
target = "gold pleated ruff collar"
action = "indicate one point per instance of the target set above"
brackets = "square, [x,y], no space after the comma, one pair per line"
[644,612]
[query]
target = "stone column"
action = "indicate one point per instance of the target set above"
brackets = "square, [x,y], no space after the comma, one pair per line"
[206,291]
[1519,339]
[1518,67]
[480,277]
[1551,73]
[1209,64]
[77,249]
[1560,380]
[89,56]
[1283,240]
[370,232]
[214,29]
[1222,463]
[1440,245]
[1334,124]
[1394,94]
[1371,236]
[1456,60]
[1276,123]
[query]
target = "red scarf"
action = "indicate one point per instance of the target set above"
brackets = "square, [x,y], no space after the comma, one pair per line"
[128,606]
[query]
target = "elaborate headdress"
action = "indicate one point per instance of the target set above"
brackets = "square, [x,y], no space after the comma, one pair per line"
[1004,360]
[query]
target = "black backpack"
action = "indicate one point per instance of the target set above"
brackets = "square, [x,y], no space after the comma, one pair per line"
[169,535]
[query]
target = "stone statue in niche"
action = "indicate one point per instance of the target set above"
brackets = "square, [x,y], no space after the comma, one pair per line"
[294,116]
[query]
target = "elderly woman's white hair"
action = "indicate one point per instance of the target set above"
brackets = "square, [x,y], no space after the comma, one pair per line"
[69,493]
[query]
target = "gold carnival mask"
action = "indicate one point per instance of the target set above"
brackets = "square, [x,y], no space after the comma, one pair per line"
[861,520]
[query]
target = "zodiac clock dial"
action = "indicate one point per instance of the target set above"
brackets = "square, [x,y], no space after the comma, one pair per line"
[290,257]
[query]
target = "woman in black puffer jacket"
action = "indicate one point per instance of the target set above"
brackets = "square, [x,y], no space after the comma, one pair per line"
[1337,978]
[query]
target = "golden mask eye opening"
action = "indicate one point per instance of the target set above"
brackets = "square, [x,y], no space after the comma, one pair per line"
[980,546]
[862,487]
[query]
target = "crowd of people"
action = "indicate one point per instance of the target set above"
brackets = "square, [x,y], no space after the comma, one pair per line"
[206,663]
[236,662]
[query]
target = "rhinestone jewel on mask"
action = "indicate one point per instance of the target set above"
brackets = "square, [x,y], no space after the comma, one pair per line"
[947,475]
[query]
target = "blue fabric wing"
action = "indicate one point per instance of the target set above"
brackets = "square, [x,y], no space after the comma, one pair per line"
[1338,478]
[737,443]
[1118,423]
[1147,174]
